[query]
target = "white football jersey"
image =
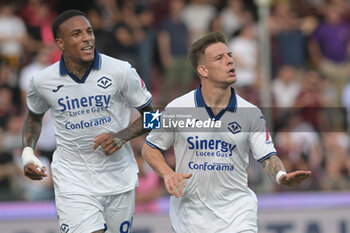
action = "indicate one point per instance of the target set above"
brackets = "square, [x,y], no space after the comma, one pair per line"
[217,197]
[99,103]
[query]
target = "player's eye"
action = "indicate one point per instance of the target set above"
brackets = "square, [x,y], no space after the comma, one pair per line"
[75,34]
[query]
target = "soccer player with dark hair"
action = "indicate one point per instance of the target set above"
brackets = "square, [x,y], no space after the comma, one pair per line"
[90,96]
[209,187]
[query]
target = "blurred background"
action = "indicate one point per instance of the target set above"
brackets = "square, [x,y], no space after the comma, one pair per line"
[292,60]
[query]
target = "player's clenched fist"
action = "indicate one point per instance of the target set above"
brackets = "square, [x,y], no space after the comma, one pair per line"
[173,182]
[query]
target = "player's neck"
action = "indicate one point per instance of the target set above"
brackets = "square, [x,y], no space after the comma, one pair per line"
[78,69]
[216,97]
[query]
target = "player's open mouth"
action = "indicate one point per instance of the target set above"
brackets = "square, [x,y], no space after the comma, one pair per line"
[232,72]
[87,49]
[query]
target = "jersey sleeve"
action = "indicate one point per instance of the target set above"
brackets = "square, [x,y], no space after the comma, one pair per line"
[260,141]
[161,139]
[35,103]
[134,89]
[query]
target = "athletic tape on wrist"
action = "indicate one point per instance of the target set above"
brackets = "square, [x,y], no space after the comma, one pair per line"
[278,176]
[28,156]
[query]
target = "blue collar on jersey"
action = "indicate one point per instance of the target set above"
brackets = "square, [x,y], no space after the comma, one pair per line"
[95,66]
[232,105]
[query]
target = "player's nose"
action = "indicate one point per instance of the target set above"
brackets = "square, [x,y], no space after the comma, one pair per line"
[229,60]
[88,37]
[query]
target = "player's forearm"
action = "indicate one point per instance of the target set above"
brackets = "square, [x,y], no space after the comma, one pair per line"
[156,160]
[136,129]
[272,166]
[31,130]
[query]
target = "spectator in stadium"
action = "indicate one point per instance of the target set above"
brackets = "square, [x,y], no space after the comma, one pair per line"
[13,34]
[336,173]
[102,36]
[7,173]
[7,108]
[210,179]
[288,38]
[38,16]
[329,49]
[312,99]
[286,87]
[90,96]
[233,16]
[346,103]
[204,13]
[245,50]
[173,43]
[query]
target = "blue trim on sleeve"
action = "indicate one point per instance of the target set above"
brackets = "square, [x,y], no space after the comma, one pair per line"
[153,146]
[266,157]
[144,105]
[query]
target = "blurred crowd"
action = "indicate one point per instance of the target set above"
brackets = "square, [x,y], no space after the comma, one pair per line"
[310,77]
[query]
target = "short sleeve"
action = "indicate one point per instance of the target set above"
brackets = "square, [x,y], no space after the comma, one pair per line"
[260,141]
[35,103]
[134,89]
[161,139]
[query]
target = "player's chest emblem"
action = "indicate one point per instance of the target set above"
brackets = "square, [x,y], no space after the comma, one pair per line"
[104,82]
[234,127]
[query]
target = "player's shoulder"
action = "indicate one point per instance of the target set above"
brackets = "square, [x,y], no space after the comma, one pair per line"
[242,103]
[247,109]
[186,100]
[114,63]
[51,71]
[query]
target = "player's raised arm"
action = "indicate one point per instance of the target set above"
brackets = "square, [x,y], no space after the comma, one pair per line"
[111,142]
[33,168]
[172,180]
[274,168]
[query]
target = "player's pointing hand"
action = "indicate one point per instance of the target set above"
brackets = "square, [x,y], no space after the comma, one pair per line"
[173,182]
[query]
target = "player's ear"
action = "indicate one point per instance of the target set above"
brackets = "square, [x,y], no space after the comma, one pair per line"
[202,70]
[59,43]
